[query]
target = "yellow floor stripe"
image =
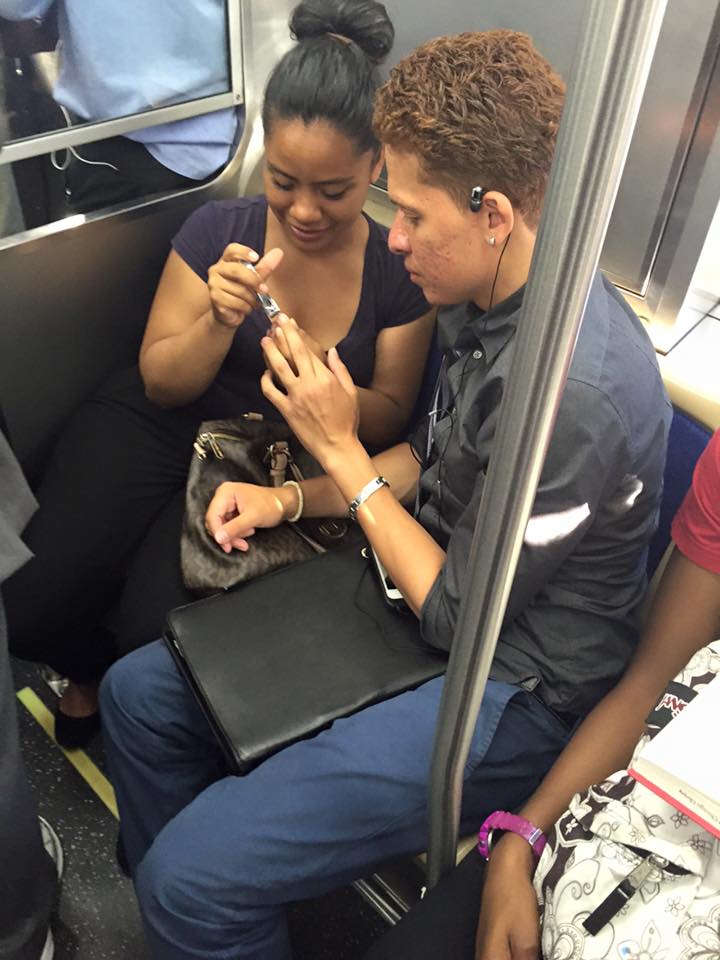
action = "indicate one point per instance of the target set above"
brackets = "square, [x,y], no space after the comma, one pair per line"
[97,781]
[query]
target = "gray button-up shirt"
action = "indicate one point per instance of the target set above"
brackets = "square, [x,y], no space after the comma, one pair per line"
[568,630]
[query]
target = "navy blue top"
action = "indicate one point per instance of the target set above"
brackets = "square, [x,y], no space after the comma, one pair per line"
[388,299]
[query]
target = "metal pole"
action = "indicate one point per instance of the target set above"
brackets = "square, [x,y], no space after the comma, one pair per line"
[604,96]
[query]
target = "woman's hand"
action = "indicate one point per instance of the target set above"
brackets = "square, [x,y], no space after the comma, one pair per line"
[509,924]
[237,509]
[320,403]
[234,286]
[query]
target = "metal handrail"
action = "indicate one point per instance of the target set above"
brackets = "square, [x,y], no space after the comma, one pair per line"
[612,65]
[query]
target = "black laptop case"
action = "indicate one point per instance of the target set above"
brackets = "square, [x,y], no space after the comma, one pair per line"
[278,659]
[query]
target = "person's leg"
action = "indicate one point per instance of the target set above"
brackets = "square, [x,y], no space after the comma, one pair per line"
[121,169]
[28,878]
[154,583]
[116,464]
[161,752]
[443,924]
[213,873]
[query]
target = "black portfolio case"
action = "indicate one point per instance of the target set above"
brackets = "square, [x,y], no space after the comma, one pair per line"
[278,659]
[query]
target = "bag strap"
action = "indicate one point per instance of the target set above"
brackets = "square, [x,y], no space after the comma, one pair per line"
[278,457]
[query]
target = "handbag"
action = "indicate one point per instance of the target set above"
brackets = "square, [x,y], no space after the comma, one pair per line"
[625,873]
[252,450]
[279,659]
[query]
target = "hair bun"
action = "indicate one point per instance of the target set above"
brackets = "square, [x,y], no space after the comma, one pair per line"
[365,22]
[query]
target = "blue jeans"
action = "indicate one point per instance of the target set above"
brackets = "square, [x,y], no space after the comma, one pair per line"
[215,858]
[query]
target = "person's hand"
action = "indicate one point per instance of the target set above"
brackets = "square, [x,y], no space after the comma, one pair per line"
[237,509]
[234,286]
[310,342]
[509,924]
[319,402]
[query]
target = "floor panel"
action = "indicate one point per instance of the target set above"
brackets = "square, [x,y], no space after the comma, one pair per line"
[97,917]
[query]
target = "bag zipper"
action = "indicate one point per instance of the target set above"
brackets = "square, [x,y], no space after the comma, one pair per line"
[623,892]
[209,440]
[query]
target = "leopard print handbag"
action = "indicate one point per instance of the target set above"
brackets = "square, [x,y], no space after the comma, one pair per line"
[252,450]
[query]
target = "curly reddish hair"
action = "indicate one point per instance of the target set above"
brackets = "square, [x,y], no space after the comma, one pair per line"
[476,109]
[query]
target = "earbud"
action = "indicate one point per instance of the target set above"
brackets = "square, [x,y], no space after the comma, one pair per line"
[476,198]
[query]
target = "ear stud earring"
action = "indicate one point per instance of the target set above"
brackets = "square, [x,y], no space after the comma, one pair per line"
[491,240]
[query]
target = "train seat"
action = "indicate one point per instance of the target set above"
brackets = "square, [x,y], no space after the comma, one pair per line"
[686,441]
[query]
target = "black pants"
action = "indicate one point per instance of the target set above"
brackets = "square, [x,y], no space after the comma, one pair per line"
[138,174]
[443,925]
[106,538]
[28,879]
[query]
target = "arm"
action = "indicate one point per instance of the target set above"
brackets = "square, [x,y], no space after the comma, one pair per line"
[192,323]
[321,406]
[400,355]
[685,616]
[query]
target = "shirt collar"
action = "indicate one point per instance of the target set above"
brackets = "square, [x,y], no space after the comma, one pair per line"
[464,325]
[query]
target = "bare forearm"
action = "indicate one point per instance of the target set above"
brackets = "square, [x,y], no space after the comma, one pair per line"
[602,744]
[178,369]
[381,418]
[323,498]
[685,616]
[410,555]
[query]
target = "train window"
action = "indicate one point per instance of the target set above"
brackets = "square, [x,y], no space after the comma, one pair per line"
[100,105]
[668,190]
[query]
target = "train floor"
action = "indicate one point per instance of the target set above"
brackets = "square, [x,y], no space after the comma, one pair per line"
[97,917]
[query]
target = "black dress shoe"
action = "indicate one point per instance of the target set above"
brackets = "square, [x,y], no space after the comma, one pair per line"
[121,857]
[75,732]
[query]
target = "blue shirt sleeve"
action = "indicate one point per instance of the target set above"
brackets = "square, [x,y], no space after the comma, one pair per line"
[24,9]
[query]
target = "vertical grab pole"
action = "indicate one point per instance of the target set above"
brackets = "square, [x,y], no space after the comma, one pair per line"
[612,65]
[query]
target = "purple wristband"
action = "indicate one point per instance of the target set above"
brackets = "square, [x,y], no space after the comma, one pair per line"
[501,820]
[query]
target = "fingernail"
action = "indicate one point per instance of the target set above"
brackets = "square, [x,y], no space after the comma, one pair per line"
[221,537]
[252,255]
[263,288]
[282,318]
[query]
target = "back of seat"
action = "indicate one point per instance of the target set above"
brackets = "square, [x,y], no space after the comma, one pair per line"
[686,441]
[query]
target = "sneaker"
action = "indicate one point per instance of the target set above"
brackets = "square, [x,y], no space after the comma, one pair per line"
[49,948]
[54,850]
[53,847]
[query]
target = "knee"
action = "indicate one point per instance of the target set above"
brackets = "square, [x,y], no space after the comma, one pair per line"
[179,909]
[131,684]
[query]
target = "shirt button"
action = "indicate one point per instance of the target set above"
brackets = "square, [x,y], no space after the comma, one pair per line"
[477,354]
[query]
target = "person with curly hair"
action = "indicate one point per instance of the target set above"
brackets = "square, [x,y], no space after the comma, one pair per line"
[469,126]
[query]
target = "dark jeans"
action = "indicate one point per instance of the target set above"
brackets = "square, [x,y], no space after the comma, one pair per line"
[28,880]
[442,925]
[106,538]
[216,858]
[138,174]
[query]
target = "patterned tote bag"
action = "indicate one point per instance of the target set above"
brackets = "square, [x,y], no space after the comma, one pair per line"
[626,875]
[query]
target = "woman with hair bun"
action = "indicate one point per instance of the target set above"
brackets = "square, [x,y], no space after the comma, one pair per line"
[112,499]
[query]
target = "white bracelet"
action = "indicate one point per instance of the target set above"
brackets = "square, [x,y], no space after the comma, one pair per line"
[367,491]
[301,500]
